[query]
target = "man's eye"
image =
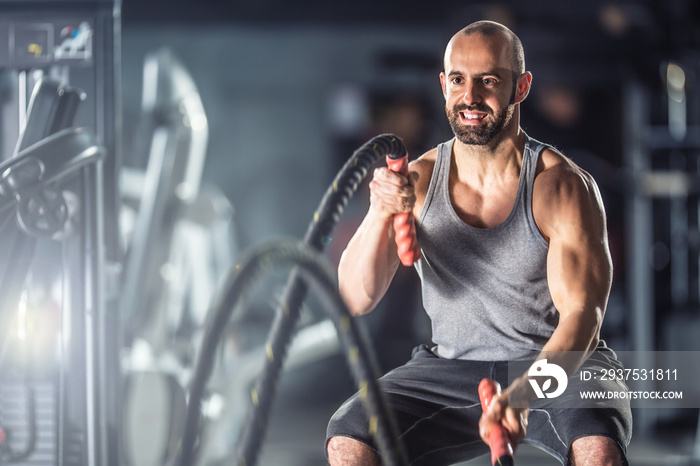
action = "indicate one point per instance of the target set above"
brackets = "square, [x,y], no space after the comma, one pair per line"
[457,80]
[489,81]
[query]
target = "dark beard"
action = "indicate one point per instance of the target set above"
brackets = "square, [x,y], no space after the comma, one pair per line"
[482,134]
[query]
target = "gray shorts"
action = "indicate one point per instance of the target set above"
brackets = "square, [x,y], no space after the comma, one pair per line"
[437,409]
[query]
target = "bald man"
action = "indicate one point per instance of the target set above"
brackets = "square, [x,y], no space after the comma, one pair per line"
[515,260]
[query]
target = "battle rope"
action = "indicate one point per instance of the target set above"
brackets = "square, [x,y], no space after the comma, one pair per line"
[317,236]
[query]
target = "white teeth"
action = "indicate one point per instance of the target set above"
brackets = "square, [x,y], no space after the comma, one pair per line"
[471,117]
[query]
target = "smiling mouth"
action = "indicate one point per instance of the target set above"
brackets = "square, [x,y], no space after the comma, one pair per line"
[472,117]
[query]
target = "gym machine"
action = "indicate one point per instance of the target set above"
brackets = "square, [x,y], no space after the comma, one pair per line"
[59,148]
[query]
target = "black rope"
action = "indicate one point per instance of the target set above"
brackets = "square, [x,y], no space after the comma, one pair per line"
[352,335]
[317,236]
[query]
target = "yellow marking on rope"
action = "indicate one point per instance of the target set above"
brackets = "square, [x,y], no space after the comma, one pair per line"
[238,266]
[254,396]
[373,425]
[355,162]
[316,216]
[286,309]
[270,354]
[353,354]
[335,186]
[374,146]
[363,390]
[345,323]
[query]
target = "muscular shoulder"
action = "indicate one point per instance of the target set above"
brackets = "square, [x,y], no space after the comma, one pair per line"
[565,195]
[556,171]
[423,166]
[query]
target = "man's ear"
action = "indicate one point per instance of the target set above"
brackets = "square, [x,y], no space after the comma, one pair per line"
[443,84]
[523,87]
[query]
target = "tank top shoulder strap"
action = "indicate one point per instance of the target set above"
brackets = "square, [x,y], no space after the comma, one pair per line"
[531,156]
[439,177]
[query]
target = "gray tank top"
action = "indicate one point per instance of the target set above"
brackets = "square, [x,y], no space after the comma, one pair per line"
[485,289]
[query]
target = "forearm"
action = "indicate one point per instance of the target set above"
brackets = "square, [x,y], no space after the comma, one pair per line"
[576,336]
[368,264]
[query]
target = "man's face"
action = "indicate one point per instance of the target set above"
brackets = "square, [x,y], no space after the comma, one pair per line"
[478,84]
[478,132]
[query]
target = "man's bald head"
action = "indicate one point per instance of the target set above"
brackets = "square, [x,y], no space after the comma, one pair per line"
[491,28]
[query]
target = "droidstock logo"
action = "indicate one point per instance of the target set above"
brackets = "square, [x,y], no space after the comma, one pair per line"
[541,369]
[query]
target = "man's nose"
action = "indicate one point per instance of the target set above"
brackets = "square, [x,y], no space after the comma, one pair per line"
[471,93]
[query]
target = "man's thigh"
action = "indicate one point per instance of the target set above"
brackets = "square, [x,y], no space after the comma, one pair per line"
[556,423]
[436,406]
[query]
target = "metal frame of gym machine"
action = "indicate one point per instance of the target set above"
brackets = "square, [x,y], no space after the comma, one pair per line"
[72,44]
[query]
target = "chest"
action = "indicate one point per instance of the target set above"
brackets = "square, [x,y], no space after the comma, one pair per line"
[485,207]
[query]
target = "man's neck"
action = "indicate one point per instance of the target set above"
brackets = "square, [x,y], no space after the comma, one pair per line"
[500,158]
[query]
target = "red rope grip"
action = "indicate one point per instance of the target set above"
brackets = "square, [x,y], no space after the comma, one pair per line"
[404,223]
[501,449]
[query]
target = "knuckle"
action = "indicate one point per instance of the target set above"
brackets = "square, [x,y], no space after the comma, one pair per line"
[377,175]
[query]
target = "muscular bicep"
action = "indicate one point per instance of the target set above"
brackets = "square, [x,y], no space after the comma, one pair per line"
[579,267]
[578,274]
